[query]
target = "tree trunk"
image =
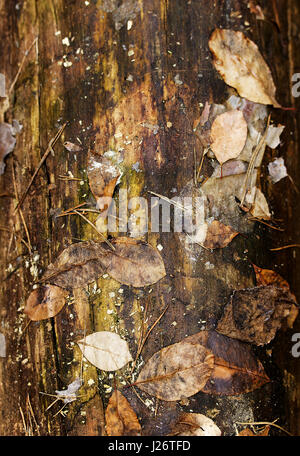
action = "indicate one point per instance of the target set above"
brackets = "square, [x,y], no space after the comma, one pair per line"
[132,77]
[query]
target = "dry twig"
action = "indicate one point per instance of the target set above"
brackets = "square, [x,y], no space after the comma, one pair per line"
[49,149]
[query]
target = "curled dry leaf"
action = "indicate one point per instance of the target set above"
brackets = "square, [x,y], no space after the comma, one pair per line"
[71,147]
[7,143]
[268,277]
[105,350]
[242,66]
[76,266]
[177,371]
[131,263]
[249,433]
[229,134]
[195,424]
[254,315]
[120,418]
[45,302]
[218,235]
[236,369]
[103,177]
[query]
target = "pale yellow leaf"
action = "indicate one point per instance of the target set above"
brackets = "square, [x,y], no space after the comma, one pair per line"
[105,350]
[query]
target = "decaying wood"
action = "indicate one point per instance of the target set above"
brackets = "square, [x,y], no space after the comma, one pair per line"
[136,91]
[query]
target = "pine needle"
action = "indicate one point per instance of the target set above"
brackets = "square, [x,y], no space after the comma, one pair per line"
[285,247]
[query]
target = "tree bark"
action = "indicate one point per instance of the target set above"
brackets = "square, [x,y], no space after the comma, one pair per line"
[132,77]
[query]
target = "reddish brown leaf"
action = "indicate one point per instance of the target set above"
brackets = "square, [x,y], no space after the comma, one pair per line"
[268,277]
[249,433]
[134,263]
[120,419]
[177,371]
[254,315]
[236,369]
[45,302]
[218,235]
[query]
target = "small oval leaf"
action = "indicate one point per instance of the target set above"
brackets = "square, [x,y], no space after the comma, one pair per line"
[120,418]
[45,302]
[105,350]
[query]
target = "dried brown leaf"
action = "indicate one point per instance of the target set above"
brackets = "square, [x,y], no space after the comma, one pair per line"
[135,263]
[254,315]
[242,66]
[195,424]
[229,134]
[249,433]
[45,302]
[131,263]
[260,208]
[218,235]
[120,418]
[76,266]
[236,369]
[177,371]
[269,277]
[103,177]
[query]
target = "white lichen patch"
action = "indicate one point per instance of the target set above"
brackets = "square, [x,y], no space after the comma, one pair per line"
[66,41]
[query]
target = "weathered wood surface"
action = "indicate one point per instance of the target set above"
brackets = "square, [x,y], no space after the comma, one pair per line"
[101,89]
